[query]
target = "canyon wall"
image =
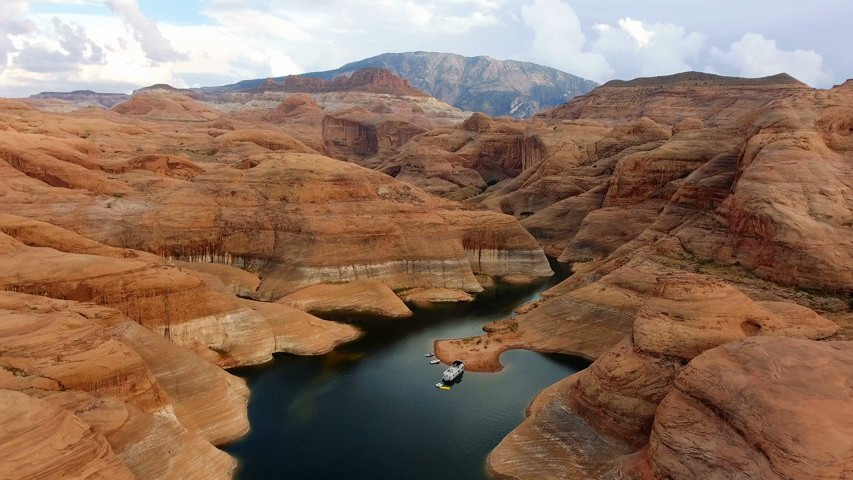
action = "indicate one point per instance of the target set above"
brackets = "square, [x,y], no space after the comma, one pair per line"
[745,183]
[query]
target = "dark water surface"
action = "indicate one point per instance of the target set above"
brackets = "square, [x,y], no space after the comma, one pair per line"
[370,409]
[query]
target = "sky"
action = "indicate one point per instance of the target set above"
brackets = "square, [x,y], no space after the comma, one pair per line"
[120,45]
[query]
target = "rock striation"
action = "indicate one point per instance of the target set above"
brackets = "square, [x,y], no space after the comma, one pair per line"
[180,306]
[359,297]
[783,426]
[682,173]
[134,394]
[741,181]
[706,221]
[619,398]
[143,248]
[44,441]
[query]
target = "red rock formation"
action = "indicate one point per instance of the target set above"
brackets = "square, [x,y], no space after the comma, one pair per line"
[360,297]
[137,393]
[174,166]
[165,106]
[60,264]
[680,174]
[375,80]
[359,138]
[124,210]
[44,441]
[459,163]
[619,397]
[744,180]
[789,425]
[251,217]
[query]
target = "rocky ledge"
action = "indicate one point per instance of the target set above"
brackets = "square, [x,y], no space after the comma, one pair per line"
[146,250]
[636,396]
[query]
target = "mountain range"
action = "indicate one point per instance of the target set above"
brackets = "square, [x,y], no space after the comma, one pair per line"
[481,84]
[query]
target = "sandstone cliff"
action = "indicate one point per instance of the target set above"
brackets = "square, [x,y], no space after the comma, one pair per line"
[590,421]
[746,181]
[121,396]
[706,220]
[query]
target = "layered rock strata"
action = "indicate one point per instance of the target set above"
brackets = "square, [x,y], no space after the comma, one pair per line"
[152,406]
[360,297]
[623,393]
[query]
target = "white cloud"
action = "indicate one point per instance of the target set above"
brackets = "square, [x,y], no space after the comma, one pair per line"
[156,47]
[75,49]
[640,49]
[231,40]
[436,17]
[92,52]
[10,26]
[559,40]
[636,30]
[756,56]
[628,49]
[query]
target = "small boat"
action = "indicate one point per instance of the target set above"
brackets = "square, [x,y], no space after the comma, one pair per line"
[429,355]
[434,361]
[453,371]
[442,386]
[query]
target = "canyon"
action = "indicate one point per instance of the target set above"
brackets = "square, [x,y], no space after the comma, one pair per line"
[707,222]
[144,248]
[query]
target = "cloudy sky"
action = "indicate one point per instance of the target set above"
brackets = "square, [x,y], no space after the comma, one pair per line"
[119,45]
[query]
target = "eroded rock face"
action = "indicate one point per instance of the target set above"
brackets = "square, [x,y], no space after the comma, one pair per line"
[134,230]
[748,181]
[175,304]
[359,297]
[44,441]
[675,182]
[461,162]
[649,179]
[619,397]
[252,216]
[135,394]
[151,446]
[690,314]
[716,162]
[760,408]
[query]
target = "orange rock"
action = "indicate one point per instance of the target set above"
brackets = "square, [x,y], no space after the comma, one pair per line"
[152,446]
[40,440]
[614,403]
[789,421]
[428,297]
[132,364]
[162,105]
[359,297]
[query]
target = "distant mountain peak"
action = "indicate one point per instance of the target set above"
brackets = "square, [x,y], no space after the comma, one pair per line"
[480,84]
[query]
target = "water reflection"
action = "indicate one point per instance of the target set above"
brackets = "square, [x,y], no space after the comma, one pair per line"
[371,409]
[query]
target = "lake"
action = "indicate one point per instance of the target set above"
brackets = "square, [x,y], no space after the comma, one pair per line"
[370,409]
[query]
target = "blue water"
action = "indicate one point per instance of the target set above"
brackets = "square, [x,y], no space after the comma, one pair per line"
[370,409]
